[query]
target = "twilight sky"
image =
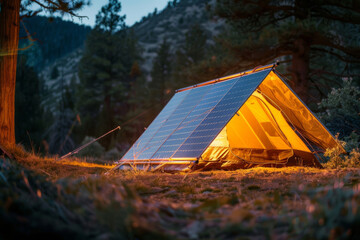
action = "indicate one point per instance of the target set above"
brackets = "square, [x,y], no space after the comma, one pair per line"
[133,9]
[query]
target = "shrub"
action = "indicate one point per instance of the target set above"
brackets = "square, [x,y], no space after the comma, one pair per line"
[331,213]
[341,113]
[94,150]
[113,154]
[353,160]
[336,158]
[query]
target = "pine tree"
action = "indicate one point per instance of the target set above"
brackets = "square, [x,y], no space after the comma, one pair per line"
[104,72]
[160,74]
[29,118]
[195,44]
[9,41]
[295,31]
[188,56]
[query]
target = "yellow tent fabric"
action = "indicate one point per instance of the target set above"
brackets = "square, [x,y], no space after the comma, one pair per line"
[305,122]
[270,128]
[258,133]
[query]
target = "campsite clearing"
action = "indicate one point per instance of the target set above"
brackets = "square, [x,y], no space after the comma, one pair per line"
[260,203]
[200,186]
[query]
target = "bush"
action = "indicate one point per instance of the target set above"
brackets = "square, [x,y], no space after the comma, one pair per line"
[341,113]
[335,156]
[332,212]
[113,154]
[94,150]
[354,160]
[336,159]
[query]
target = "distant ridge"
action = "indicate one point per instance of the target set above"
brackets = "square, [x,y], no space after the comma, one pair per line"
[172,23]
[54,38]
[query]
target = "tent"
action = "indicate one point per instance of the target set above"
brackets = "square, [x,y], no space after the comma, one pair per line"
[239,121]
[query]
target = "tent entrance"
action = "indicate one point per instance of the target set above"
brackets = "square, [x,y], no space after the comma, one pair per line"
[258,134]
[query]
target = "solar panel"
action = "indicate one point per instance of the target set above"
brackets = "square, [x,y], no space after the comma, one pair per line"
[140,145]
[220,115]
[212,97]
[173,121]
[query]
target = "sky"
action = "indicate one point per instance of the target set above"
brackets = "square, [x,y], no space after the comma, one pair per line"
[133,9]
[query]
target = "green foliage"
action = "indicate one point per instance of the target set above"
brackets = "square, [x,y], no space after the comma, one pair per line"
[341,113]
[94,150]
[194,47]
[113,154]
[106,73]
[59,135]
[108,19]
[299,32]
[160,74]
[331,213]
[335,155]
[54,39]
[353,161]
[189,56]
[54,73]
[337,159]
[30,117]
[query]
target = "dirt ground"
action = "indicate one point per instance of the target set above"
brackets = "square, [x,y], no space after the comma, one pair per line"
[276,201]
[199,186]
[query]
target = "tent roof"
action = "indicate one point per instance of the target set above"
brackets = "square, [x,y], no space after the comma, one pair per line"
[193,118]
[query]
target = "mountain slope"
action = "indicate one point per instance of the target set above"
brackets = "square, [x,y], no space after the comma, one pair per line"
[54,38]
[172,23]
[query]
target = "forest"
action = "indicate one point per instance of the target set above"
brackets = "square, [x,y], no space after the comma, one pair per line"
[71,83]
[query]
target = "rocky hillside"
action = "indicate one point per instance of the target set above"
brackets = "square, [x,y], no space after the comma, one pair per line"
[54,39]
[171,24]
[63,72]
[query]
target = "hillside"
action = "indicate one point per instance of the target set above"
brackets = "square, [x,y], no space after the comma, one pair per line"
[171,24]
[54,38]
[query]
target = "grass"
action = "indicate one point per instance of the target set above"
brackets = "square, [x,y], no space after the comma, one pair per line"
[72,199]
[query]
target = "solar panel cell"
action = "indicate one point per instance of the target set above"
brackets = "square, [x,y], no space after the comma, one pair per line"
[173,121]
[141,143]
[216,120]
[193,118]
[214,94]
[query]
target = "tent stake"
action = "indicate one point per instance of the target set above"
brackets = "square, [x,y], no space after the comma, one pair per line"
[87,144]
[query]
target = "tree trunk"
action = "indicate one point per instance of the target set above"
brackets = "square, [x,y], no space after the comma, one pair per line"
[9,40]
[300,68]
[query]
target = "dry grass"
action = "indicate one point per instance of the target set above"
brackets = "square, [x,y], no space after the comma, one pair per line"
[260,203]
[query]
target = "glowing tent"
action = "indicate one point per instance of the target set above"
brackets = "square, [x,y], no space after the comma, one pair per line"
[247,119]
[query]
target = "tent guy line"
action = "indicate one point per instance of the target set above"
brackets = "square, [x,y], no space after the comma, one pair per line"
[87,144]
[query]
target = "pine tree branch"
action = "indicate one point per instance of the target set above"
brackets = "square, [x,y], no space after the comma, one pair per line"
[340,18]
[339,4]
[335,55]
[53,7]
[319,87]
[43,5]
[322,71]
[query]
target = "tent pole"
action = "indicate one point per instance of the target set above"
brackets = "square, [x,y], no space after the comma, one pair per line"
[87,144]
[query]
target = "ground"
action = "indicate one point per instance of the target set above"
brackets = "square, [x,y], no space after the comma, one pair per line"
[257,203]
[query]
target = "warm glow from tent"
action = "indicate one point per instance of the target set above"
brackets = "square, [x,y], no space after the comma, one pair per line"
[271,126]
